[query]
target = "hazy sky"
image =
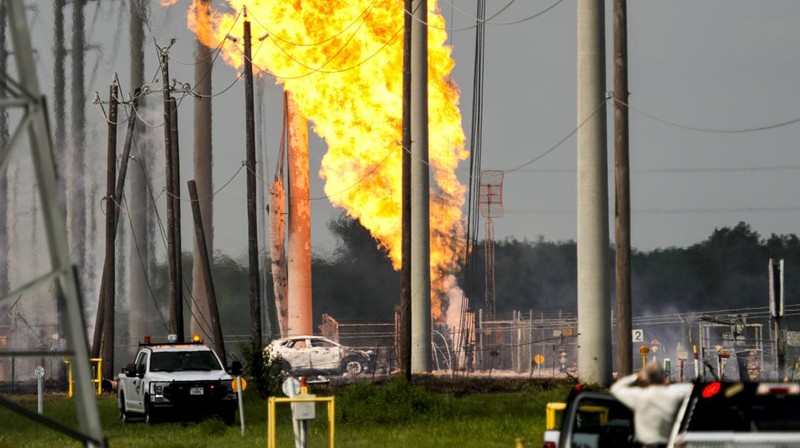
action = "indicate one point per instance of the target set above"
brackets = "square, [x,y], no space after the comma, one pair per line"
[698,69]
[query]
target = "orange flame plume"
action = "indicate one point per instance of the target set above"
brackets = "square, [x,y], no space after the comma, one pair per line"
[342,61]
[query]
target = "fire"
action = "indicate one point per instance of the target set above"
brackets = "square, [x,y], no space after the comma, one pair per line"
[342,61]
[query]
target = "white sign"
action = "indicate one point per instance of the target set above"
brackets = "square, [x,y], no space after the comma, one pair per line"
[638,335]
[793,338]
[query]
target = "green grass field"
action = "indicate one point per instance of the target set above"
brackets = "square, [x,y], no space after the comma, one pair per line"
[391,415]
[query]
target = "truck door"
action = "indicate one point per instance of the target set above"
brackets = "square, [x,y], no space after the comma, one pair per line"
[135,397]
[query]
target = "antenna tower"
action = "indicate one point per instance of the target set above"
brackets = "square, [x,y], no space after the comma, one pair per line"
[490,200]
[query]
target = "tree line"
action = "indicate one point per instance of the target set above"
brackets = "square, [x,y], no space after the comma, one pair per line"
[356,281]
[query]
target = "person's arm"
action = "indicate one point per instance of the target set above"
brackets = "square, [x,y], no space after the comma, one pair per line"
[626,391]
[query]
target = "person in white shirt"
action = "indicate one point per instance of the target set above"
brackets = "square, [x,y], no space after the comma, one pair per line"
[654,403]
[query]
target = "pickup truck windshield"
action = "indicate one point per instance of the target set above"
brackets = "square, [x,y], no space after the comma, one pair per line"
[174,361]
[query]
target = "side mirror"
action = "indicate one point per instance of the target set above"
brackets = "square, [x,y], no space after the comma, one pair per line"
[130,370]
[236,368]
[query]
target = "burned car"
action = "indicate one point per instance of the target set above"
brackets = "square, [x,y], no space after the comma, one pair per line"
[307,354]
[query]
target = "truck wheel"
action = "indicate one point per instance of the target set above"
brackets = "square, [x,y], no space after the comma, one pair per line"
[150,414]
[124,415]
[353,365]
[229,418]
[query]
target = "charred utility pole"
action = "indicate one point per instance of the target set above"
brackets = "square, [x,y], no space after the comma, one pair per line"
[173,229]
[142,308]
[252,217]
[108,298]
[622,196]
[76,202]
[404,351]
[205,261]
[4,242]
[59,101]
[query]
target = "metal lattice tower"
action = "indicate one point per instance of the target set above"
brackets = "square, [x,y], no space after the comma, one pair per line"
[490,200]
[24,93]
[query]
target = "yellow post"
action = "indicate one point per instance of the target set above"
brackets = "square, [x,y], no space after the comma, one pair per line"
[97,380]
[272,439]
[99,374]
[69,378]
[644,350]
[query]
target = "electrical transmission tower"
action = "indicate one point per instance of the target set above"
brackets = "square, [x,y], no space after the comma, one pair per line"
[490,200]
[25,95]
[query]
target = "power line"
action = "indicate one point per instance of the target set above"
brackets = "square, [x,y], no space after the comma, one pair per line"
[710,130]
[489,20]
[686,170]
[675,211]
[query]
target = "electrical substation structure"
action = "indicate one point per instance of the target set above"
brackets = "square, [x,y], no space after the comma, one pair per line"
[24,93]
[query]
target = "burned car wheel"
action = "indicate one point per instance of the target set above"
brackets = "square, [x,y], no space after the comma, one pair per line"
[353,365]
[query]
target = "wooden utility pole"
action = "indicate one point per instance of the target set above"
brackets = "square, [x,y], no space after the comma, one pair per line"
[405,272]
[110,267]
[205,262]
[174,286]
[252,217]
[175,197]
[203,161]
[622,191]
[113,208]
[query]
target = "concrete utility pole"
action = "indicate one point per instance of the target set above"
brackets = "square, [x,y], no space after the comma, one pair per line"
[622,208]
[594,314]
[420,195]
[404,351]
[300,308]
[203,158]
[252,216]
[277,233]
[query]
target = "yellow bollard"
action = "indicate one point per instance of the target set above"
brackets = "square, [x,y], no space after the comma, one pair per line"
[520,442]
[644,350]
[97,380]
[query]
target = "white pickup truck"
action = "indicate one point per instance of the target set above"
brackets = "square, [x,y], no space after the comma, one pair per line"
[176,381]
[715,414]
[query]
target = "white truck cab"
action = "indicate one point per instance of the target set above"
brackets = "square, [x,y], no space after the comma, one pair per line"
[176,381]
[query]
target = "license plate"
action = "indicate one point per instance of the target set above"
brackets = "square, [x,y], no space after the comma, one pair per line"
[196,391]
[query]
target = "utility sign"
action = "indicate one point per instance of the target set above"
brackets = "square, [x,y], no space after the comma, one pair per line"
[638,335]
